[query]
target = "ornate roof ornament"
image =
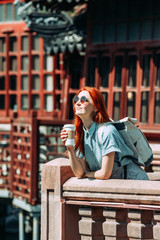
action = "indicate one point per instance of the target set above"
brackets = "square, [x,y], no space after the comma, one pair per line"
[60,29]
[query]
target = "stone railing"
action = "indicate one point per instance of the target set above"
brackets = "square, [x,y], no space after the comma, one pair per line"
[155,165]
[85,209]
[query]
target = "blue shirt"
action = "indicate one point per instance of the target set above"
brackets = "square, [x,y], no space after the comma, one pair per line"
[111,142]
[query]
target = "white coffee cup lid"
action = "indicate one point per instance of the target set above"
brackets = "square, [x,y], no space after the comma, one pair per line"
[69,126]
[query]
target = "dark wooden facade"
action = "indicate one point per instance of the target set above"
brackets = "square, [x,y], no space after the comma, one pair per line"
[123,58]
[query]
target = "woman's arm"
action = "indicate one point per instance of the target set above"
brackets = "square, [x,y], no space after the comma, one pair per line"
[106,169]
[78,165]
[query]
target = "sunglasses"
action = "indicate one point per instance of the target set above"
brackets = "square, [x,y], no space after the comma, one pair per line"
[82,99]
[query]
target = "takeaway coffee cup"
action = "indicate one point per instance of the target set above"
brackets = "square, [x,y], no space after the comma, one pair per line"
[70,128]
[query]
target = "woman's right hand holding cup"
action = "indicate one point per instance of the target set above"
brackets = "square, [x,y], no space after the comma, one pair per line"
[68,134]
[64,135]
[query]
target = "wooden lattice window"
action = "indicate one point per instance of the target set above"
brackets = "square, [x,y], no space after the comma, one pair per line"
[30,79]
[5,156]
[130,84]
[124,21]
[8,11]
[74,79]
[2,72]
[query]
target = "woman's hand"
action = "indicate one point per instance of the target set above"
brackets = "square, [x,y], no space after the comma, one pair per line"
[64,135]
[78,165]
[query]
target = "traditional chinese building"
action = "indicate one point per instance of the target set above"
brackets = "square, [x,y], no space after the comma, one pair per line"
[50,49]
[112,45]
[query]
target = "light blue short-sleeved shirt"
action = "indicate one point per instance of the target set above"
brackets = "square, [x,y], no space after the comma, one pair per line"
[111,142]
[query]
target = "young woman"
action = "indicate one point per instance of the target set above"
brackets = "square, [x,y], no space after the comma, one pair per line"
[90,158]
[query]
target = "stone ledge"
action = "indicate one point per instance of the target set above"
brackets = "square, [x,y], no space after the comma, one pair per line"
[113,186]
[113,190]
[127,198]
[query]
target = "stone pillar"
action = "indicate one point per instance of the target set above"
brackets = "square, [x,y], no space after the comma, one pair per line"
[115,226]
[156,228]
[35,233]
[90,225]
[21,225]
[140,226]
[54,174]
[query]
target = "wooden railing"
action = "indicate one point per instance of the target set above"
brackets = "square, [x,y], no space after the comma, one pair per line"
[24,155]
[97,209]
[5,156]
[25,145]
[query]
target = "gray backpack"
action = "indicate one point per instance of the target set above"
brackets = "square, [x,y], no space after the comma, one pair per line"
[133,138]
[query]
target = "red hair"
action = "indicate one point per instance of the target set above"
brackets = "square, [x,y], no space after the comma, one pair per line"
[100,116]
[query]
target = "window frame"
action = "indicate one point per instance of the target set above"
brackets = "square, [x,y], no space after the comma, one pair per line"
[58,70]
[112,52]
[5,2]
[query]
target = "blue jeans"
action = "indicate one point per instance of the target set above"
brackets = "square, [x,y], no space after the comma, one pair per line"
[130,171]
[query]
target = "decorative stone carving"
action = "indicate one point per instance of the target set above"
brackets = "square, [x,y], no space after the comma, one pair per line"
[59,29]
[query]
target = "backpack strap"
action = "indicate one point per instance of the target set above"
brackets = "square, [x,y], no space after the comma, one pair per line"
[125,172]
[100,130]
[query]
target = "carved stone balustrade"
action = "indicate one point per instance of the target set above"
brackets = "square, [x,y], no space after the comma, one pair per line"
[90,209]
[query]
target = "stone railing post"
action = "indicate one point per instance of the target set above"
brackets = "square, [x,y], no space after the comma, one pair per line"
[54,174]
[115,226]
[140,226]
[156,227]
[90,225]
